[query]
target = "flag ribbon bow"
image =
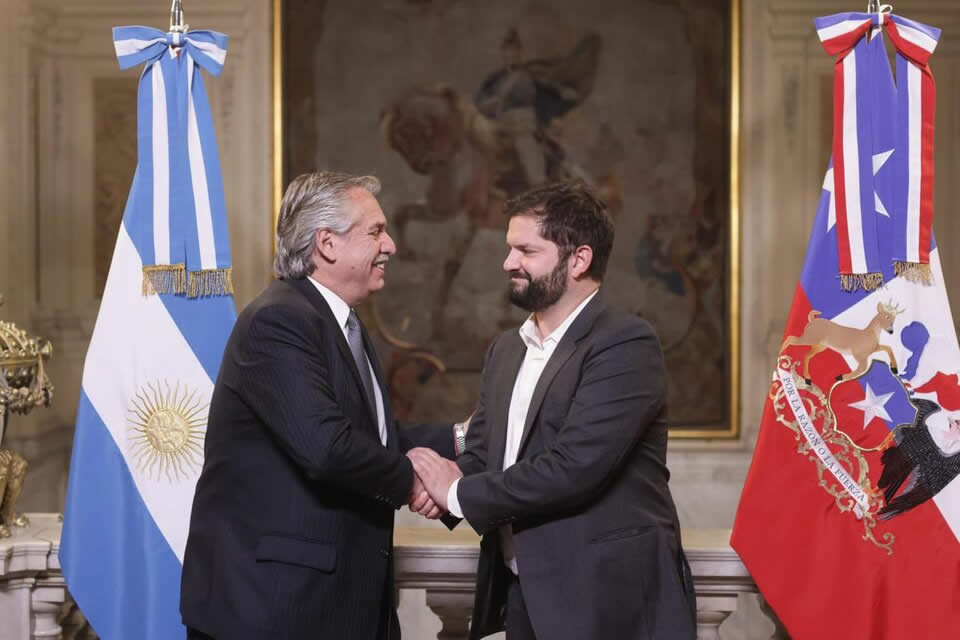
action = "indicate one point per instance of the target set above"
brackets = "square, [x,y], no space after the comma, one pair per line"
[178,218]
[844,35]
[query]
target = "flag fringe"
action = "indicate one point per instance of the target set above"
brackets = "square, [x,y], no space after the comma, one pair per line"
[164,278]
[866,281]
[211,282]
[917,272]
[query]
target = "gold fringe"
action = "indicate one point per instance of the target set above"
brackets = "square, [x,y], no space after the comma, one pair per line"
[865,281]
[164,278]
[211,282]
[914,271]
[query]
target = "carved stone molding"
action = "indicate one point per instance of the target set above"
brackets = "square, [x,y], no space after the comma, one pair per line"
[444,563]
[46,599]
[31,585]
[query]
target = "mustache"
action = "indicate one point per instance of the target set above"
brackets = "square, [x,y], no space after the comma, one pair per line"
[517,273]
[383,259]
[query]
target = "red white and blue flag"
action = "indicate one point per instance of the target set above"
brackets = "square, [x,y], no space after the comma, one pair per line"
[857,86]
[851,507]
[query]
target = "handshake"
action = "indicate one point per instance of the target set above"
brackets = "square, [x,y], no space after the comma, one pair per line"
[431,483]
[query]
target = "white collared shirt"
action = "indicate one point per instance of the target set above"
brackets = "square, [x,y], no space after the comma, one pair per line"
[341,311]
[536,358]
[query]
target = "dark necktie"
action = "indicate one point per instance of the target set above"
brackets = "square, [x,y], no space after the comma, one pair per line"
[355,340]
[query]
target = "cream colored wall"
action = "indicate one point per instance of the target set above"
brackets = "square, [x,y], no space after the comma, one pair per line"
[53,51]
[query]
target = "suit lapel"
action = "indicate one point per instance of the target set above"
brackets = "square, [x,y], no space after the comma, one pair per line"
[559,358]
[305,287]
[506,376]
[568,344]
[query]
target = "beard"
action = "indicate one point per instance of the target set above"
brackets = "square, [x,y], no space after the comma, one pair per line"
[540,293]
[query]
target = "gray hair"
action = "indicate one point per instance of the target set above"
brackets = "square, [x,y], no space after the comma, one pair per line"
[313,201]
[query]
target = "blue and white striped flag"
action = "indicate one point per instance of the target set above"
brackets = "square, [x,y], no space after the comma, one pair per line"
[164,319]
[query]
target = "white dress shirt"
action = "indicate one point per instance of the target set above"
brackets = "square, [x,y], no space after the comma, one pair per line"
[536,358]
[341,311]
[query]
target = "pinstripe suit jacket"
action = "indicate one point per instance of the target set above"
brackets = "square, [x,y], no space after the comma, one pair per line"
[292,523]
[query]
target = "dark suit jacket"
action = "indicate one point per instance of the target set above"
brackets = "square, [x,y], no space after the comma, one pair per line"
[292,524]
[595,528]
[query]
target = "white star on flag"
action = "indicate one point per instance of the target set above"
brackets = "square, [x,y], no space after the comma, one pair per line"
[879,160]
[873,406]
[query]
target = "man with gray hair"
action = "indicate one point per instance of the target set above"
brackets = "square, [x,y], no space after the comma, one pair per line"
[292,524]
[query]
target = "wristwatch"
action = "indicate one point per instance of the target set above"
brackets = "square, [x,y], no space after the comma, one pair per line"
[459,438]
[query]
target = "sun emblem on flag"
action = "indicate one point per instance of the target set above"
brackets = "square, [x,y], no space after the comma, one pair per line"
[166,432]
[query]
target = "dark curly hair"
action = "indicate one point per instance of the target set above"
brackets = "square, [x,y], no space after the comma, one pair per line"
[569,214]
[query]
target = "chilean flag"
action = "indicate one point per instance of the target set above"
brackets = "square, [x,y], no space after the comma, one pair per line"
[849,520]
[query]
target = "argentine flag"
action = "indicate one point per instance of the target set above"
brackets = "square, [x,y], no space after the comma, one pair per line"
[164,319]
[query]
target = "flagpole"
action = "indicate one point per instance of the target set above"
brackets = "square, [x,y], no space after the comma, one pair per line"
[873,6]
[177,22]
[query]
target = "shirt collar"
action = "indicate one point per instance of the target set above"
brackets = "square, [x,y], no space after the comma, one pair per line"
[528,330]
[341,310]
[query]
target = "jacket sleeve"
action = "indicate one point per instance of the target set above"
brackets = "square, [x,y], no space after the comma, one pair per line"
[474,457]
[620,394]
[438,437]
[285,380]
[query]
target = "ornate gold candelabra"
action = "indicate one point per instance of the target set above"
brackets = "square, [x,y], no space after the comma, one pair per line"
[23,386]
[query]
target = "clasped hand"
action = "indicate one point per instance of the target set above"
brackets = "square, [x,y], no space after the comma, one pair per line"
[420,501]
[434,475]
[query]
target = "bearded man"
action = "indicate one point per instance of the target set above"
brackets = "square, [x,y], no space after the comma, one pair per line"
[565,471]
